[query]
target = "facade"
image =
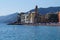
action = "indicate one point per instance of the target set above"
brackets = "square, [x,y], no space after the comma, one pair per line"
[59,17]
[42,19]
[24,18]
[31,17]
[34,16]
[49,17]
[53,18]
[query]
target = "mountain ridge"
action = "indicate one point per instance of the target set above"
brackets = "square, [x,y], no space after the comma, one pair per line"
[47,10]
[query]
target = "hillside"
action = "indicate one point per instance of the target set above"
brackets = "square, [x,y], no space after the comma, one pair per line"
[8,18]
[47,10]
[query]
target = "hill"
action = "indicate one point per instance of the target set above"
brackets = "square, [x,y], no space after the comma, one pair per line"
[47,10]
[9,18]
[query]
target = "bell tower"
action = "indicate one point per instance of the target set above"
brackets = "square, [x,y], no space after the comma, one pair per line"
[36,14]
[36,10]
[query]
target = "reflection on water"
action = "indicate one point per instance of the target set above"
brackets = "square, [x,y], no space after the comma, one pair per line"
[24,32]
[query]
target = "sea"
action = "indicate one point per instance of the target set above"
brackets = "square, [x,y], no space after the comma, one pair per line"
[29,32]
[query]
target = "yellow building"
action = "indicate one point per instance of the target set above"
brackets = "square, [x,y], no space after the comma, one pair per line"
[31,17]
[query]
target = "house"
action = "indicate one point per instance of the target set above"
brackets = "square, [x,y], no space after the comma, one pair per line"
[31,17]
[24,18]
[58,17]
[34,16]
[53,17]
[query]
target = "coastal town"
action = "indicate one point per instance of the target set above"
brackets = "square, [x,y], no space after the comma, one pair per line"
[35,18]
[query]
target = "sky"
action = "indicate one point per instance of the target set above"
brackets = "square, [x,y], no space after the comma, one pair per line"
[8,7]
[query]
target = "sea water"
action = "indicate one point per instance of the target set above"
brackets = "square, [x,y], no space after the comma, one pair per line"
[28,32]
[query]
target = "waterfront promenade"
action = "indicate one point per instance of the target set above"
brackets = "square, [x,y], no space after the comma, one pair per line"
[44,24]
[38,24]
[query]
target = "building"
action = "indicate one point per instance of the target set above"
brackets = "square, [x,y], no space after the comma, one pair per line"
[42,20]
[31,17]
[24,18]
[53,17]
[49,17]
[34,16]
[59,17]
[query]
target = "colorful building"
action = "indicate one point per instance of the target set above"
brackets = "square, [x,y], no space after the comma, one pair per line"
[34,16]
[59,17]
[31,17]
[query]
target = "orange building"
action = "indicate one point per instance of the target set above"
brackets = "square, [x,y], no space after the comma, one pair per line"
[59,17]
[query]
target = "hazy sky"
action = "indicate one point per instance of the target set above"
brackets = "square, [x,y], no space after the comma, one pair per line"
[11,6]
